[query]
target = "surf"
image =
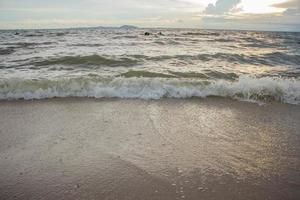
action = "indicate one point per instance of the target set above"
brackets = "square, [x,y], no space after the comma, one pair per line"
[246,88]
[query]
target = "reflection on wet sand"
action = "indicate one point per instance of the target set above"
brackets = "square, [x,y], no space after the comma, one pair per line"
[133,149]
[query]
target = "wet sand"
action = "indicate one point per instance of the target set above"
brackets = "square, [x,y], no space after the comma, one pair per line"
[168,149]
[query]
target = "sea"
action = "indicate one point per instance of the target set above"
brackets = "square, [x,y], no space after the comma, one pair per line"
[251,66]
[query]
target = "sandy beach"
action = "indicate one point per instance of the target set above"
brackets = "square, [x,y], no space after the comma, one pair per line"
[134,149]
[150,100]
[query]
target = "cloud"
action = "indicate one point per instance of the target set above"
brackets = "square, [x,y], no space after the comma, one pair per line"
[222,7]
[226,15]
[292,7]
[288,4]
[247,21]
[154,13]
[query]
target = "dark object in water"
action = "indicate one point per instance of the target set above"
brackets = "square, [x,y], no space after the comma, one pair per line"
[147,34]
[160,33]
[17,33]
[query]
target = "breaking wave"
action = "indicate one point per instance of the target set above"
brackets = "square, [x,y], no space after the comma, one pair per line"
[245,88]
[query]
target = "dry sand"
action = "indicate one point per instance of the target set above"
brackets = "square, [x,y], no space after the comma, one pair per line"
[133,149]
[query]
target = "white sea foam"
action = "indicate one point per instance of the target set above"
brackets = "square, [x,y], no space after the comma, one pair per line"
[246,88]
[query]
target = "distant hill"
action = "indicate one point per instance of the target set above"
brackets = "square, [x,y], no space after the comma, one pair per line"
[128,27]
[114,27]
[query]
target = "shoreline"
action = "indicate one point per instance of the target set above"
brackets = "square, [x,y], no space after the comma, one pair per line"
[198,148]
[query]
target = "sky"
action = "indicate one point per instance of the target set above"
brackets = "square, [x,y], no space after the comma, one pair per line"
[272,15]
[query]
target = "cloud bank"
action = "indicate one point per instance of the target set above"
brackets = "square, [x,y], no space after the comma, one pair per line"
[292,7]
[219,14]
[221,7]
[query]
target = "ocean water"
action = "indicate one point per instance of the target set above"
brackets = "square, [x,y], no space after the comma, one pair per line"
[123,63]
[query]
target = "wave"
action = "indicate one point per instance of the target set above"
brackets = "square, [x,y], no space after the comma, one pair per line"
[125,37]
[140,73]
[6,51]
[33,35]
[202,34]
[94,60]
[86,45]
[222,40]
[166,42]
[27,44]
[207,74]
[61,33]
[264,59]
[245,88]
[283,58]
[269,59]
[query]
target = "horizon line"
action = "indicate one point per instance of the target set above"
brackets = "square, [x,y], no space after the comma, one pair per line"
[137,27]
